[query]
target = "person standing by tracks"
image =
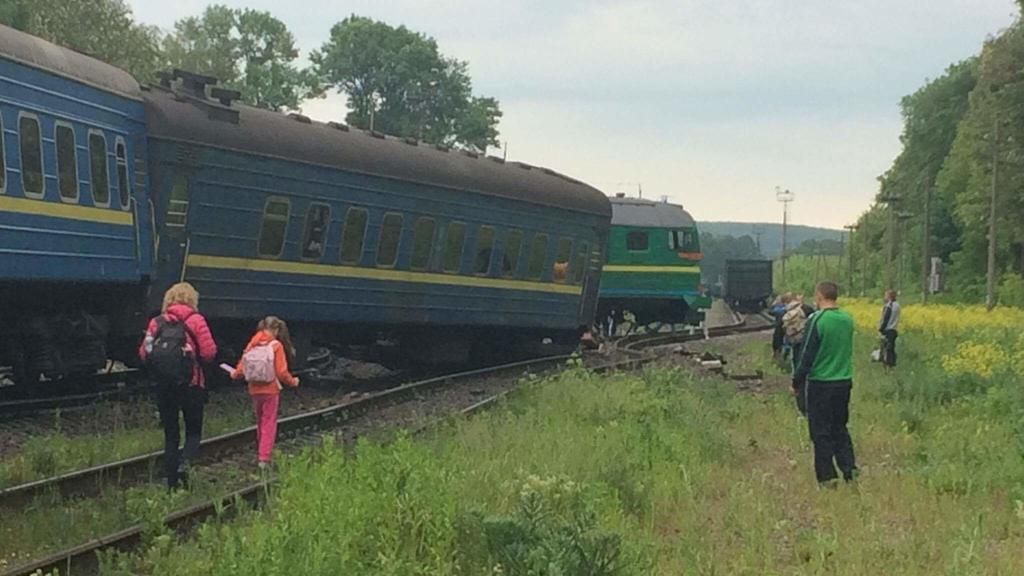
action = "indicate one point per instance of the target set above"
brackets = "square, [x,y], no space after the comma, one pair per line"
[777,309]
[794,320]
[887,328]
[264,366]
[825,376]
[175,345]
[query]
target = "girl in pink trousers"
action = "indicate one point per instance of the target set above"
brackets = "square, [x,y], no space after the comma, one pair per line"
[264,366]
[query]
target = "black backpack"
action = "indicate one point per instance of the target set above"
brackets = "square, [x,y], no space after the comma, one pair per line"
[169,362]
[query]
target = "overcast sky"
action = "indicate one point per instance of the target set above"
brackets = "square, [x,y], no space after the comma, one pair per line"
[710,102]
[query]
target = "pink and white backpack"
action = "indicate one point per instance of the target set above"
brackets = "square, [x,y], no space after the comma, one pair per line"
[258,364]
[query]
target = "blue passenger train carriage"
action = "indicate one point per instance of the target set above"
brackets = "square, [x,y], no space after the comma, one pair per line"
[350,235]
[74,212]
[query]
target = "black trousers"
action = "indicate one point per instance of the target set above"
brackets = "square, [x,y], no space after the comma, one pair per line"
[828,411]
[188,401]
[889,352]
[801,398]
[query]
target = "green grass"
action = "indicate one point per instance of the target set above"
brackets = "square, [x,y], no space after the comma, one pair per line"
[122,430]
[652,473]
[656,473]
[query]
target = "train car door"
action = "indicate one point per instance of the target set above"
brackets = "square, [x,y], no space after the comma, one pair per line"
[172,198]
[591,281]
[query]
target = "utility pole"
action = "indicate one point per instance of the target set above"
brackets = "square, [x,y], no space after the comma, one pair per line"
[757,231]
[850,229]
[926,239]
[902,217]
[990,287]
[784,196]
[891,200]
[865,260]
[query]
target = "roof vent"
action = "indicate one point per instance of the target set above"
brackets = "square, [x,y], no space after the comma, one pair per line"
[192,88]
[376,134]
[442,147]
[225,96]
[338,126]
[411,141]
[300,118]
[165,78]
[497,159]
[194,84]
[549,172]
[525,166]
[470,153]
[620,194]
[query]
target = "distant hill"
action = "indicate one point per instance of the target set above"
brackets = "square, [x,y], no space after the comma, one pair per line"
[771,234]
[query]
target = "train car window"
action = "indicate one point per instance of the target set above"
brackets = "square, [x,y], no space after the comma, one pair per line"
[31,156]
[636,241]
[177,202]
[422,242]
[390,236]
[274,228]
[318,218]
[538,254]
[454,242]
[3,160]
[67,163]
[121,152]
[686,241]
[98,169]
[353,234]
[513,248]
[484,250]
[560,269]
[579,266]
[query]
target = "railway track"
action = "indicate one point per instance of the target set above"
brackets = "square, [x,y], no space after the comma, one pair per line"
[295,432]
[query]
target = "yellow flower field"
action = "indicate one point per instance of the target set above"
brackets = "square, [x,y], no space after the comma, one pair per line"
[969,339]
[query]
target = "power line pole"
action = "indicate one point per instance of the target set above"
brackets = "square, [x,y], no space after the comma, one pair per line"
[757,231]
[784,196]
[891,200]
[864,261]
[902,217]
[990,287]
[926,239]
[850,229]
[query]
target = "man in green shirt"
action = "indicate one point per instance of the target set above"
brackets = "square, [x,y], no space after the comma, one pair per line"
[824,375]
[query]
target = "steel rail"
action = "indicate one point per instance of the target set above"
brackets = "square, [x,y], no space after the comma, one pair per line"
[144,467]
[85,556]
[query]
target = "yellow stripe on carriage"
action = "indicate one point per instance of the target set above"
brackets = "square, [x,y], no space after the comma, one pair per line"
[658,269]
[65,211]
[305,268]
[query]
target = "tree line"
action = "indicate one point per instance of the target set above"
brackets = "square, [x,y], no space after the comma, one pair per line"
[963,138]
[395,80]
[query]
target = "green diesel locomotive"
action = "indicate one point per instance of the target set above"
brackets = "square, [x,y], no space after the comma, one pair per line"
[653,265]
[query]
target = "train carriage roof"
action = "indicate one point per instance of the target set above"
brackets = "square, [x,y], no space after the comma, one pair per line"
[649,214]
[173,116]
[38,53]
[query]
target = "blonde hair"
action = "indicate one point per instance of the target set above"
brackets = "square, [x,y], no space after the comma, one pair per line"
[181,293]
[275,324]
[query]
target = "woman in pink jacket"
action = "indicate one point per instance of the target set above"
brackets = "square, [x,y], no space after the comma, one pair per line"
[176,343]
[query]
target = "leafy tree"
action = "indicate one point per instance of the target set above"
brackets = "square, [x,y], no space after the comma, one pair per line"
[398,81]
[247,50]
[932,118]
[103,29]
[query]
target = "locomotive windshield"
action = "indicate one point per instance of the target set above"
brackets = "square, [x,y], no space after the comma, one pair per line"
[686,240]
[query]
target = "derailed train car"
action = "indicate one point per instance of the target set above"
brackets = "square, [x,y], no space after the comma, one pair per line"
[110,192]
[347,233]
